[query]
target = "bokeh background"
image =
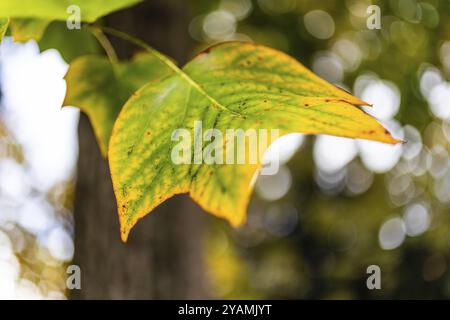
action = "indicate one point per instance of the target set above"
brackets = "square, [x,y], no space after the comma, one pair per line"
[335,207]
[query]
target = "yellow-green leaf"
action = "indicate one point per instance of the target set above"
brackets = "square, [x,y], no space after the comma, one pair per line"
[232,85]
[25,29]
[100,88]
[90,10]
[3,27]
[31,17]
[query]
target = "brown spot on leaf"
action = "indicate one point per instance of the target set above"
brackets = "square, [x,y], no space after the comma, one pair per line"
[203,54]
[130,150]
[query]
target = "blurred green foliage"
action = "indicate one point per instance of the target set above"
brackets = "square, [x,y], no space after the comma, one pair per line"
[337,233]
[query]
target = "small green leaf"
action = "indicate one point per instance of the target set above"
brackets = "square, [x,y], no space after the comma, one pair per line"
[230,86]
[3,27]
[90,10]
[55,35]
[100,88]
[69,43]
[25,29]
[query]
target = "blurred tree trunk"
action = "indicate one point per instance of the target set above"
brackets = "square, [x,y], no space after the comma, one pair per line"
[163,257]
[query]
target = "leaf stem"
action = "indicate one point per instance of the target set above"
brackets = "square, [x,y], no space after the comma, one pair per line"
[105,43]
[167,61]
[139,43]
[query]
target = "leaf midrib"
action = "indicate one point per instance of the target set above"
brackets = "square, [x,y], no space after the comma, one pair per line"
[189,80]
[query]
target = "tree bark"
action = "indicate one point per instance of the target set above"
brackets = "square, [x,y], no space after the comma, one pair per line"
[163,257]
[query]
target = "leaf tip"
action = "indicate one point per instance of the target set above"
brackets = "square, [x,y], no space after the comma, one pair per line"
[401,141]
[237,223]
[238,220]
[125,224]
[124,233]
[391,139]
